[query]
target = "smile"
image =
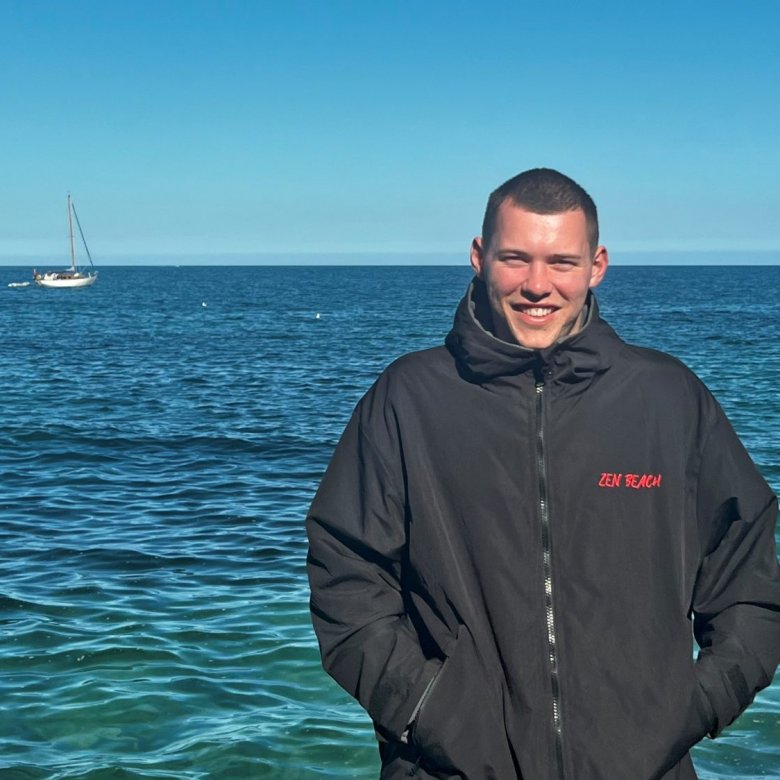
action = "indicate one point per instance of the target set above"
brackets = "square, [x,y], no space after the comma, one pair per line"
[535,312]
[538,311]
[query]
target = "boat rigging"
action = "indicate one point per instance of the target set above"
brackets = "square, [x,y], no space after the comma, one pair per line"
[75,275]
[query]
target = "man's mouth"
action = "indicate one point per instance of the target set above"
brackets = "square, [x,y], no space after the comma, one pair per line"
[535,312]
[538,311]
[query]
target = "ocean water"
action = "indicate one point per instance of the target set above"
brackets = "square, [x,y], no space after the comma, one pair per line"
[162,435]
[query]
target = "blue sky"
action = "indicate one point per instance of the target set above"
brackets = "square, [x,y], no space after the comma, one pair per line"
[288,127]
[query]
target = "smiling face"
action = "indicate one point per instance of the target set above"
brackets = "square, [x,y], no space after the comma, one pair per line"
[538,269]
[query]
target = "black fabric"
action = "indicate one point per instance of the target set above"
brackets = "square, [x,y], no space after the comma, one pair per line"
[426,559]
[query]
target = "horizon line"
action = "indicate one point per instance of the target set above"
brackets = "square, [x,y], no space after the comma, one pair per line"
[379,252]
[464,266]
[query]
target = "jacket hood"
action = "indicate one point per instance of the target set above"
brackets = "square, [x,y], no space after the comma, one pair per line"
[482,356]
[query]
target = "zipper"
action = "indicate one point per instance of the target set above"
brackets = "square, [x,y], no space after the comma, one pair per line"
[544,519]
[424,700]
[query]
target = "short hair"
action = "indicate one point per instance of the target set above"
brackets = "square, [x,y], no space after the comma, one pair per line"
[542,191]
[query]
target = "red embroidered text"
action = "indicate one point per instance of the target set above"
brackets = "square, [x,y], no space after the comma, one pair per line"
[636,481]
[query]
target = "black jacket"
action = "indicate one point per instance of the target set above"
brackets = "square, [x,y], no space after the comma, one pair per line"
[531,533]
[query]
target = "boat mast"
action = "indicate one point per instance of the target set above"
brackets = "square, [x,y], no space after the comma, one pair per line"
[72,243]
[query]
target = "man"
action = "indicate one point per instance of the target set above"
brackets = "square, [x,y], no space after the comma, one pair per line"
[517,528]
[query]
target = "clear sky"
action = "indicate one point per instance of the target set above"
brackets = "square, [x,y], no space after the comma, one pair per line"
[184,126]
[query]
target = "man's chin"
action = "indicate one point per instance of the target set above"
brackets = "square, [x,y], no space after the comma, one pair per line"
[533,339]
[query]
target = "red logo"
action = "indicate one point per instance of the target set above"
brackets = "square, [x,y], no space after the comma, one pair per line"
[610,479]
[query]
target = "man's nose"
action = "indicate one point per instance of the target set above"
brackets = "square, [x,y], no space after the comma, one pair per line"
[537,281]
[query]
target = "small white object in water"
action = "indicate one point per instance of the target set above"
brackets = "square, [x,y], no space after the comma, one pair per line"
[317,316]
[203,304]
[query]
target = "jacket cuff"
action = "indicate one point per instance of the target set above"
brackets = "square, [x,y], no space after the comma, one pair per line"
[725,688]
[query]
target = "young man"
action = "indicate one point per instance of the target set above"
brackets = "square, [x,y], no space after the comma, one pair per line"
[506,556]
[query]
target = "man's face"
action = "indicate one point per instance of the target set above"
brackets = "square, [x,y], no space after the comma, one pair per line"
[537,269]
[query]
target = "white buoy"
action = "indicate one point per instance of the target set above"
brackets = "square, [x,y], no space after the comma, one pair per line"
[203,304]
[317,316]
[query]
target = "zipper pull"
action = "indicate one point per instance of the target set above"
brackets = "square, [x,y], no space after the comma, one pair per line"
[543,373]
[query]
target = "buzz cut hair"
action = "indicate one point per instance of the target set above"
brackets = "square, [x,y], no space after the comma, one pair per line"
[542,191]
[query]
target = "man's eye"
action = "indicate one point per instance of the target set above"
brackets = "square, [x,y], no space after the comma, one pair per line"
[513,259]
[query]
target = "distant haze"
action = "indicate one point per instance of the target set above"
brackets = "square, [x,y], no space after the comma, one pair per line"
[390,259]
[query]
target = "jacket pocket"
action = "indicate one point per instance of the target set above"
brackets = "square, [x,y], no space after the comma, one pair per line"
[459,729]
[691,724]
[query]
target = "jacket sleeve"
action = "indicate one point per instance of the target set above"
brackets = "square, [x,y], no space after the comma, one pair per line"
[356,529]
[736,602]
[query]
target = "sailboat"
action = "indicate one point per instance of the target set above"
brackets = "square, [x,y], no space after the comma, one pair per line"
[75,276]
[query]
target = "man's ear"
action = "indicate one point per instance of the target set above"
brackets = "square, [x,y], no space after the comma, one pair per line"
[599,266]
[477,256]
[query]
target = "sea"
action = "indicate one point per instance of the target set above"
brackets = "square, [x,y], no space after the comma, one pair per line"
[162,434]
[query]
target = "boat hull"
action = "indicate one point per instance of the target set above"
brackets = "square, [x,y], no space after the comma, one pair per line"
[68,281]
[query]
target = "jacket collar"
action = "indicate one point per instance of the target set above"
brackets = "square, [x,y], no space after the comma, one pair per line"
[482,356]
